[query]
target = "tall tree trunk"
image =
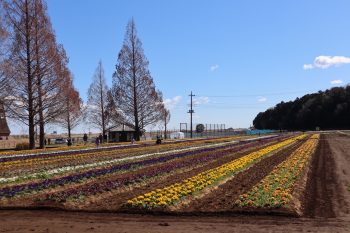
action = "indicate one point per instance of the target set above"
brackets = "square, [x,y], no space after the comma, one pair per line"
[165,123]
[69,128]
[39,85]
[102,105]
[31,112]
[41,130]
[136,114]
[41,116]
[137,126]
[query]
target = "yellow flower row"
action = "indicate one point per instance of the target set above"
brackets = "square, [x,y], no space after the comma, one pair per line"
[276,188]
[173,193]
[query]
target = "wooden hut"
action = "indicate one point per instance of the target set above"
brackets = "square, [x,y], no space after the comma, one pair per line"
[120,133]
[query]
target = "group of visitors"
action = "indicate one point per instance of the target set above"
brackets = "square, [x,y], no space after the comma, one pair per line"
[98,139]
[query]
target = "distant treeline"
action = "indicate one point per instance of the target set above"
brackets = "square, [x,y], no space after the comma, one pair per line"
[328,109]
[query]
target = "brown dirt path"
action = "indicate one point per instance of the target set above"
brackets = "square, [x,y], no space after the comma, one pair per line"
[324,195]
[59,222]
[340,147]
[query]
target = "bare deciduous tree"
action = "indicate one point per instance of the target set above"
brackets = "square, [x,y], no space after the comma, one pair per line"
[50,59]
[133,90]
[97,100]
[34,65]
[72,110]
[19,15]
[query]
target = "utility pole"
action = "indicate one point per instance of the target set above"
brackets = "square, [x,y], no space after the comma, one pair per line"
[191,111]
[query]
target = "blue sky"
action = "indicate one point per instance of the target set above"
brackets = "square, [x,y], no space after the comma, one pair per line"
[238,57]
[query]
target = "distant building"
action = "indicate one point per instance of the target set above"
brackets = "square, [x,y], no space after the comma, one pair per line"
[121,133]
[4,129]
[240,131]
[177,135]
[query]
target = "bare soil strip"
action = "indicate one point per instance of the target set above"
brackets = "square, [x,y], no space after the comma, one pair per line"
[323,192]
[340,147]
[59,221]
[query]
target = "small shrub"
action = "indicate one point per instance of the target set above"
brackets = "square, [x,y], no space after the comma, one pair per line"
[22,146]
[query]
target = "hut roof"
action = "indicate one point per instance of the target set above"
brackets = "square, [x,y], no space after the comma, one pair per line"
[120,128]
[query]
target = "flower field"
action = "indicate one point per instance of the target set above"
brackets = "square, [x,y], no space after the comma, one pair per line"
[171,177]
[275,190]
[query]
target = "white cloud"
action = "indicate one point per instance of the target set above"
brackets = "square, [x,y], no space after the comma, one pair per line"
[338,81]
[324,62]
[201,100]
[214,67]
[172,103]
[262,99]
[308,66]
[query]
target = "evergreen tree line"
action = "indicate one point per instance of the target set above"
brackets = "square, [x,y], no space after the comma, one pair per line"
[328,109]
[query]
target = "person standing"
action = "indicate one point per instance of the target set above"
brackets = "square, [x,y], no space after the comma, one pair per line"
[101,138]
[159,140]
[69,141]
[85,138]
[97,142]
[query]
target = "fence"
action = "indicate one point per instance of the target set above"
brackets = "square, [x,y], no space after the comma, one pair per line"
[206,133]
